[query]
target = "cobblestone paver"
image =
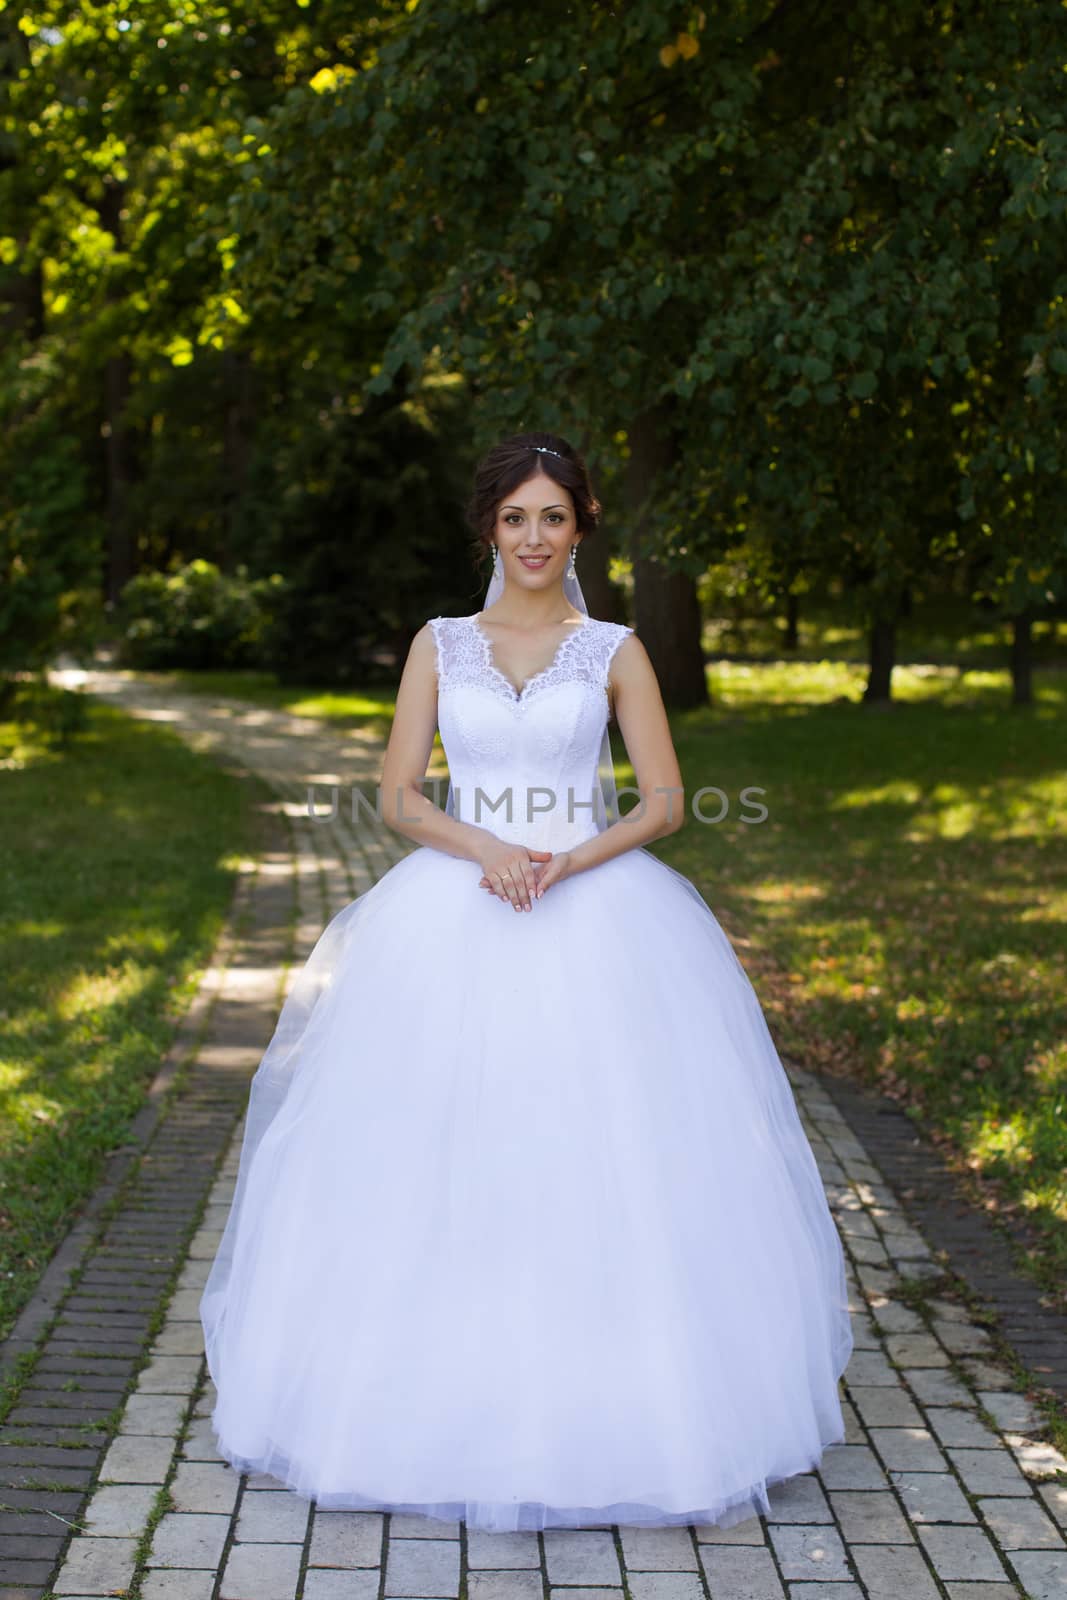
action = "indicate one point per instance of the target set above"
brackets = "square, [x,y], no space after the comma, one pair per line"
[944,1487]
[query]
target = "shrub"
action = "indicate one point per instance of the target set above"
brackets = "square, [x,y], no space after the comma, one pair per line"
[199,616]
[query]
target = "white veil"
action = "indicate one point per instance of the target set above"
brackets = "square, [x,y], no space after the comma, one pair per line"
[608,811]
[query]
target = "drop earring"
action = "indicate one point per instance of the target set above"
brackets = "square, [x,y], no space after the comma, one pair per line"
[496,560]
[571,570]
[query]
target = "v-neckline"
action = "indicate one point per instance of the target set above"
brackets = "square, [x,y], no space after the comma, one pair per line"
[490,660]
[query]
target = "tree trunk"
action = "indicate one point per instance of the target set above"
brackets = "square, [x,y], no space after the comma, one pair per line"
[882,647]
[666,610]
[1022,663]
[791,636]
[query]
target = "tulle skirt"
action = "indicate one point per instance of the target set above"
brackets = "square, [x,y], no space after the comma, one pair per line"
[526,1229]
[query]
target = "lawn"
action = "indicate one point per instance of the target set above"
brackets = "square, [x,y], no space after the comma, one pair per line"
[118,863]
[901,910]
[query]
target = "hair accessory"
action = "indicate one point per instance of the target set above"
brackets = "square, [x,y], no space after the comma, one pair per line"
[547,451]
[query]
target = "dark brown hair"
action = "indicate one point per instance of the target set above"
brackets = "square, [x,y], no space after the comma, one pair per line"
[510,463]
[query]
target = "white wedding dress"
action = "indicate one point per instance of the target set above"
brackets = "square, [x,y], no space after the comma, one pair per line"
[526,1228]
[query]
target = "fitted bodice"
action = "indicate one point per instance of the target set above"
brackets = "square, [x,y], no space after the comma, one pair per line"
[525,763]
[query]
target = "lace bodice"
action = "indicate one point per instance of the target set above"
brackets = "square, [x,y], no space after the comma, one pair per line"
[533,752]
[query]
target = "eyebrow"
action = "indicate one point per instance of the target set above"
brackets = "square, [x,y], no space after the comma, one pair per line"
[558,506]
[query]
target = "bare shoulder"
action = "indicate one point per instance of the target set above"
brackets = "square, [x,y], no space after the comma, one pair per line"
[425,636]
[629,658]
[425,641]
[422,651]
[630,675]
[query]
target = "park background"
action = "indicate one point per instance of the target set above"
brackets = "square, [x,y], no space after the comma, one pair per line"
[792,278]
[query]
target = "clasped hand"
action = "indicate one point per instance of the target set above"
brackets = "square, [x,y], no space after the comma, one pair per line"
[519,875]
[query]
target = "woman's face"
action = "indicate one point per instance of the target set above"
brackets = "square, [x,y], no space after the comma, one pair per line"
[535,529]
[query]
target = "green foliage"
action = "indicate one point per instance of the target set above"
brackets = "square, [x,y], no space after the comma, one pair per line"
[835,251]
[198,616]
[48,558]
[840,249]
[118,860]
[370,531]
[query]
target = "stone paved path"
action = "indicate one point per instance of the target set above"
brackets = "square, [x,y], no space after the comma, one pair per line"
[944,1487]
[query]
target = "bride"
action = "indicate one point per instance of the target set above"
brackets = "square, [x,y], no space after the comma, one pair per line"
[526,1230]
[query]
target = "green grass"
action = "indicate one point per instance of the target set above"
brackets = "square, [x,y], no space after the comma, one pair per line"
[902,909]
[118,863]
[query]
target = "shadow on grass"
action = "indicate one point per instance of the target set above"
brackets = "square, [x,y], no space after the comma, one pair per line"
[119,863]
[902,909]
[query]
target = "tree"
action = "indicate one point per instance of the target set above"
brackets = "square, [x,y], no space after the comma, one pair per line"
[825,248]
[792,224]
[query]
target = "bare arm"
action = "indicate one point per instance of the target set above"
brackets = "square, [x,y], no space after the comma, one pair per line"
[404,806]
[646,732]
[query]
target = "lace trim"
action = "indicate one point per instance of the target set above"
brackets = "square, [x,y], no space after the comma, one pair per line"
[552,670]
[464,655]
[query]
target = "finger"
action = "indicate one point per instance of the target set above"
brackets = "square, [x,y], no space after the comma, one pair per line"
[526,884]
[519,869]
